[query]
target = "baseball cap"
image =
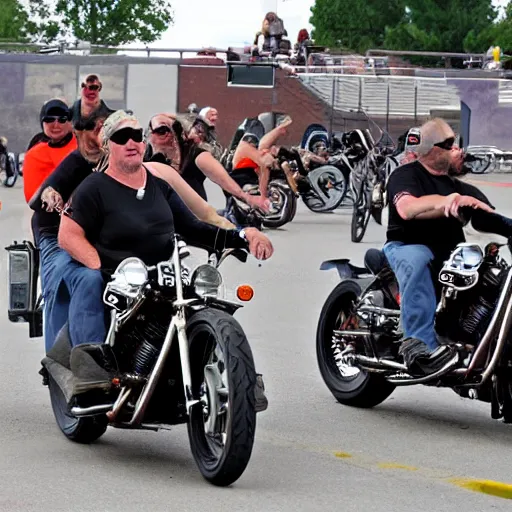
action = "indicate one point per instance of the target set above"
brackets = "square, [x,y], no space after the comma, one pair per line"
[54,107]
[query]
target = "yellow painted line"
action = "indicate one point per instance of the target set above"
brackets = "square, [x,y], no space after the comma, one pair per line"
[498,489]
[342,455]
[394,465]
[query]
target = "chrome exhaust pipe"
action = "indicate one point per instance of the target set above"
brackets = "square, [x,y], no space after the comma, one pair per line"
[379,364]
[79,412]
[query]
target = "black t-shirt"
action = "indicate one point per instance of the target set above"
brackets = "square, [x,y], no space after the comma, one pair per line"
[101,111]
[119,225]
[190,172]
[64,179]
[441,234]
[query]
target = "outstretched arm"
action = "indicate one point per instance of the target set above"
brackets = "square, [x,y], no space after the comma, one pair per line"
[214,170]
[195,203]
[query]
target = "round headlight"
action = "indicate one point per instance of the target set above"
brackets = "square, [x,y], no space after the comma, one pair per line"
[132,271]
[206,280]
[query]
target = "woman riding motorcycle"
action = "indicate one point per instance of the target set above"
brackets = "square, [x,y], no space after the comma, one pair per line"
[123,212]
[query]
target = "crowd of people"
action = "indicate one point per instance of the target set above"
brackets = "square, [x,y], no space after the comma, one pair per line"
[103,188]
[100,194]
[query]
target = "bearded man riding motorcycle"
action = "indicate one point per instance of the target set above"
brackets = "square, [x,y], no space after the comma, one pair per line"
[427,210]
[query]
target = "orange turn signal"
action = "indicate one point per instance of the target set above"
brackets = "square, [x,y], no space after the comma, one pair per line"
[245,292]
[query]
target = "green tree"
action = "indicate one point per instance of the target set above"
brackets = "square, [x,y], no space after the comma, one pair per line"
[13,21]
[443,25]
[354,24]
[108,22]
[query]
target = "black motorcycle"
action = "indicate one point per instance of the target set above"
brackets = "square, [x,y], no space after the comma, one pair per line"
[359,330]
[181,358]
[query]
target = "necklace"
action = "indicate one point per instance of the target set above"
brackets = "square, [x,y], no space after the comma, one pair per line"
[142,190]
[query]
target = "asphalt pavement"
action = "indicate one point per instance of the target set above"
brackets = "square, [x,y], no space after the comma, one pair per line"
[422,450]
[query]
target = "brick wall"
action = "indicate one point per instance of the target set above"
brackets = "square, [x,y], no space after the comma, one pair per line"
[207,85]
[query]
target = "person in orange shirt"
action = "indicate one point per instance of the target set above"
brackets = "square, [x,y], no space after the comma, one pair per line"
[43,158]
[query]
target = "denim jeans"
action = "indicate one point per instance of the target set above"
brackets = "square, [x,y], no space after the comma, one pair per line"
[73,293]
[410,263]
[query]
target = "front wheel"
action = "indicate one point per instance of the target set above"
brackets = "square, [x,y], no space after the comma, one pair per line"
[348,384]
[360,215]
[284,205]
[222,426]
[80,430]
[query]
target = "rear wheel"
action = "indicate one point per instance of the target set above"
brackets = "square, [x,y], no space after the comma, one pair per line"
[348,384]
[80,430]
[222,426]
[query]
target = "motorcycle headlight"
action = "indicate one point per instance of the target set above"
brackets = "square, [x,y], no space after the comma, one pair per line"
[131,272]
[206,281]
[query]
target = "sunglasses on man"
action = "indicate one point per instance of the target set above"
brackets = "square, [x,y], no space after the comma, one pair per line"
[446,144]
[85,126]
[161,130]
[121,137]
[91,87]
[52,119]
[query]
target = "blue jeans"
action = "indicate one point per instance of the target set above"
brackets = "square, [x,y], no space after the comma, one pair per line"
[71,293]
[418,303]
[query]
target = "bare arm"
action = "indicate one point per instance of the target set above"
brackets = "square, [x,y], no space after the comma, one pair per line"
[435,206]
[72,239]
[270,138]
[195,203]
[214,170]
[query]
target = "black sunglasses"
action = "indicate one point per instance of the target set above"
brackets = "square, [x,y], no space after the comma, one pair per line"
[122,136]
[446,144]
[86,126]
[91,87]
[51,119]
[162,130]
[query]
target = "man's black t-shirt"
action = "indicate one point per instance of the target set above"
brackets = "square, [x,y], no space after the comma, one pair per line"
[64,179]
[119,225]
[441,235]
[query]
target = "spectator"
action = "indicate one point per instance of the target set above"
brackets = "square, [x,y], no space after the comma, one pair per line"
[210,115]
[43,158]
[90,106]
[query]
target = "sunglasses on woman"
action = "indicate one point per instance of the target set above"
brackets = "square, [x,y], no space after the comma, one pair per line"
[162,130]
[85,126]
[92,87]
[52,119]
[446,144]
[122,136]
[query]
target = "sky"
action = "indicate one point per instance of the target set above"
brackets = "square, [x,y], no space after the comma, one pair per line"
[223,23]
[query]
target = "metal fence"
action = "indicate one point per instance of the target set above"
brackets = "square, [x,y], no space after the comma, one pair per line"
[478,107]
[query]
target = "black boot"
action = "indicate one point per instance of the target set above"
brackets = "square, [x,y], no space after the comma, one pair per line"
[259,392]
[93,367]
[420,360]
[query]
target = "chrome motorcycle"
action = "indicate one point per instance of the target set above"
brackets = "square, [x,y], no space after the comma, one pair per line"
[359,330]
[180,355]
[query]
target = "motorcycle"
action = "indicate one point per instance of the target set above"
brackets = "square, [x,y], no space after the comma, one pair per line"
[8,179]
[359,330]
[181,358]
[324,186]
[281,185]
[282,195]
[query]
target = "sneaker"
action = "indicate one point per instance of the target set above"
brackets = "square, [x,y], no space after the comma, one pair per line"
[259,392]
[420,360]
[93,367]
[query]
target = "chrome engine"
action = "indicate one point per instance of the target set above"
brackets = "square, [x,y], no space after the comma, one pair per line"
[471,287]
